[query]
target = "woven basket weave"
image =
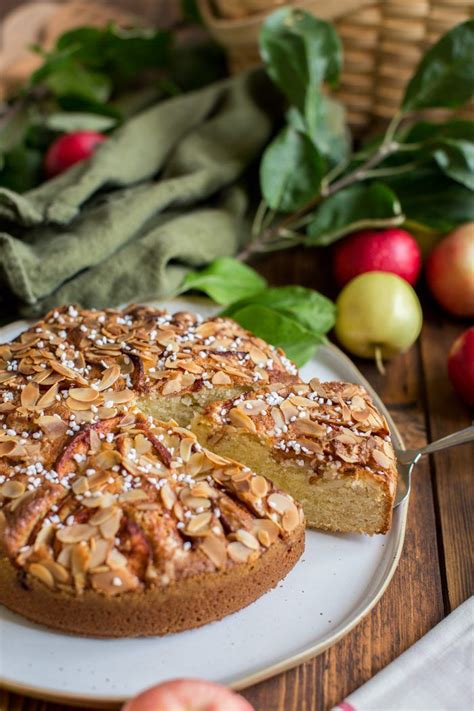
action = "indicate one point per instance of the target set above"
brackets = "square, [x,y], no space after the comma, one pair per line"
[383,42]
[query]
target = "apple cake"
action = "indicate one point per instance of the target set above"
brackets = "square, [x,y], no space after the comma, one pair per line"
[324,443]
[113,521]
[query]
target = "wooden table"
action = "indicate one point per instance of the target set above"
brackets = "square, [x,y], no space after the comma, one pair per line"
[435,571]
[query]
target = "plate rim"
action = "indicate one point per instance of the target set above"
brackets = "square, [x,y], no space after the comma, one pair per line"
[313,650]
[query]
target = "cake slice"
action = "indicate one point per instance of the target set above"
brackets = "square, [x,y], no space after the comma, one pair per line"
[324,443]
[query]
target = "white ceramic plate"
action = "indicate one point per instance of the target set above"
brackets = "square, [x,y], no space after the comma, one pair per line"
[337,581]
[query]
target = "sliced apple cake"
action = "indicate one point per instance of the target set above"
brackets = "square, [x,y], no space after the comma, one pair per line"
[112,522]
[325,443]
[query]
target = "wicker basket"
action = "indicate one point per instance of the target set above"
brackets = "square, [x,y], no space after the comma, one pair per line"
[383,42]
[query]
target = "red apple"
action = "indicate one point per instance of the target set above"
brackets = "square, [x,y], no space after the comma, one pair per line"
[450,271]
[188,695]
[392,250]
[70,148]
[461,366]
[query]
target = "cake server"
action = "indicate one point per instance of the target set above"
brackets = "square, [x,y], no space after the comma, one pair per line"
[407,458]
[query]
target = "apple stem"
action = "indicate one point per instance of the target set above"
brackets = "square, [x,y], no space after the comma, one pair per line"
[379,360]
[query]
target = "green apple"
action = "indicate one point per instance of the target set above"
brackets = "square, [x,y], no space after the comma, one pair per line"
[378,316]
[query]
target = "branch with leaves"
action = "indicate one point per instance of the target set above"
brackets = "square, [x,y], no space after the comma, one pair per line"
[315,189]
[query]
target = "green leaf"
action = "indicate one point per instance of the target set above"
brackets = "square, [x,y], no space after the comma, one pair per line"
[300,51]
[433,200]
[353,208]
[456,159]
[445,75]
[13,127]
[21,169]
[67,121]
[74,80]
[278,329]
[290,171]
[327,127]
[225,280]
[292,317]
[118,52]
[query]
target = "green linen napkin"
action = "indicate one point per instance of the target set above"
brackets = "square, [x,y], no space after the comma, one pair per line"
[157,198]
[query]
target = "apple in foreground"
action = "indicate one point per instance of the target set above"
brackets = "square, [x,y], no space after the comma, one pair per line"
[461,366]
[391,250]
[188,695]
[378,316]
[70,148]
[450,271]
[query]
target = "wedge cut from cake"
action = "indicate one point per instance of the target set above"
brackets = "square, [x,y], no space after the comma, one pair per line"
[324,443]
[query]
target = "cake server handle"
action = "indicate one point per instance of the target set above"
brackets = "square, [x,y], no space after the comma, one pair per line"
[411,456]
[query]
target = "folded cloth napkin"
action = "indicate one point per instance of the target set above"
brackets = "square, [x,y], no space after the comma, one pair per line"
[435,674]
[158,197]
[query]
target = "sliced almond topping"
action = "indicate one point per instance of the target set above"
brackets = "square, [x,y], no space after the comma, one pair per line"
[58,571]
[221,378]
[290,519]
[110,527]
[381,459]
[119,397]
[84,394]
[48,399]
[115,559]
[109,377]
[68,373]
[279,503]
[105,413]
[289,410]
[52,426]
[258,356]
[278,418]
[11,448]
[76,405]
[101,516]
[12,489]
[240,419]
[80,558]
[248,539]
[185,448]
[133,495]
[76,533]
[252,407]
[198,524]
[42,573]
[259,486]
[215,549]
[44,536]
[203,489]
[196,502]
[266,530]
[29,395]
[238,552]
[107,458]
[172,386]
[99,550]
[308,427]
[196,463]
[80,485]
[168,496]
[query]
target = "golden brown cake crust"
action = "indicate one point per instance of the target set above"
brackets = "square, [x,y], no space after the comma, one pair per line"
[100,503]
[158,611]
